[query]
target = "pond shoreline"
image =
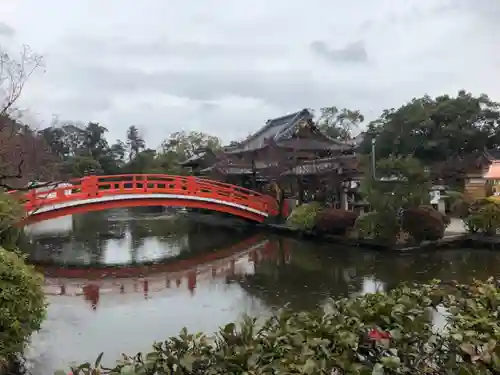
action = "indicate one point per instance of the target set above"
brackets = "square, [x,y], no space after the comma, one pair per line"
[449,241]
[455,235]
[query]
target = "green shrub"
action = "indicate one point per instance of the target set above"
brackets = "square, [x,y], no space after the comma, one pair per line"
[11,212]
[22,304]
[424,223]
[337,222]
[458,204]
[484,217]
[381,333]
[383,226]
[304,216]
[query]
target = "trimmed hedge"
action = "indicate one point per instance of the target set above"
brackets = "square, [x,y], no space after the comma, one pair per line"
[304,216]
[484,217]
[424,223]
[336,222]
[22,305]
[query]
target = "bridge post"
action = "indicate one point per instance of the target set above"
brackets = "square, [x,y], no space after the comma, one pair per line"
[191,184]
[31,195]
[89,186]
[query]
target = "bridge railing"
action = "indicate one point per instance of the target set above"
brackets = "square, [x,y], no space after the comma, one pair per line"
[176,186]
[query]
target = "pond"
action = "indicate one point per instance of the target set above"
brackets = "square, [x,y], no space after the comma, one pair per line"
[118,280]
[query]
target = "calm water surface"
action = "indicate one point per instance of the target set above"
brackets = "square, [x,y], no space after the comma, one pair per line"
[118,280]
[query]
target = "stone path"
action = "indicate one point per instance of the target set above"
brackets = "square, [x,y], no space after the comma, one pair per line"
[456,226]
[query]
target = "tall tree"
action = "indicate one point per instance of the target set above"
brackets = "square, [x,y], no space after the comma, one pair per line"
[339,124]
[118,151]
[145,162]
[54,137]
[184,145]
[436,129]
[94,142]
[73,137]
[135,142]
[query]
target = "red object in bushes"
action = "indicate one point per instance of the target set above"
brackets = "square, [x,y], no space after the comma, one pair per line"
[333,221]
[376,335]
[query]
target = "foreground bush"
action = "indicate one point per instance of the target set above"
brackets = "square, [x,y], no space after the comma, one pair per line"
[304,216]
[373,334]
[22,305]
[424,223]
[11,212]
[333,221]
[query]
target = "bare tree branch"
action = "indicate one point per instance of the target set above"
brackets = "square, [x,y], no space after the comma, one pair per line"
[24,155]
[14,73]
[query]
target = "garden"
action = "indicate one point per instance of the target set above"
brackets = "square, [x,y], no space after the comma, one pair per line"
[401,214]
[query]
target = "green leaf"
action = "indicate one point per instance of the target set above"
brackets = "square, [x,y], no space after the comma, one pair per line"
[60,372]
[396,334]
[308,367]
[229,328]
[253,360]
[378,369]
[152,357]
[84,366]
[127,370]
[98,360]
[187,362]
[390,362]
[457,336]
[468,348]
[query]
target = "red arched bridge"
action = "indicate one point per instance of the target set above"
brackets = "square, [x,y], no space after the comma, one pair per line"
[93,193]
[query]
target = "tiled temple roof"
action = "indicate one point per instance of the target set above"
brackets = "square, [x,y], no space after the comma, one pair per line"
[281,130]
[198,155]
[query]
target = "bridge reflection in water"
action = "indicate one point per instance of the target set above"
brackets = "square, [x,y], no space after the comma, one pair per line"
[178,275]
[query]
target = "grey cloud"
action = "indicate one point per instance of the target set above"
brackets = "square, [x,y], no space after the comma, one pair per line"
[6,30]
[209,107]
[354,52]
[165,47]
[81,105]
[84,104]
[486,10]
[281,88]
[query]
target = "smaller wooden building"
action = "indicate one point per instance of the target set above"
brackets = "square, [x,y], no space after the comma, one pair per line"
[201,159]
[482,173]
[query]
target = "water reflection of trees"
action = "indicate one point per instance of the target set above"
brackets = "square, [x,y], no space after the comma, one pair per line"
[304,280]
[461,264]
[93,232]
[315,272]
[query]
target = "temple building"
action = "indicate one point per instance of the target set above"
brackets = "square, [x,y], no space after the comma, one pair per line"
[289,150]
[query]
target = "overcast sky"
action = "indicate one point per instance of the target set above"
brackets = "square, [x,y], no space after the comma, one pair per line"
[226,66]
